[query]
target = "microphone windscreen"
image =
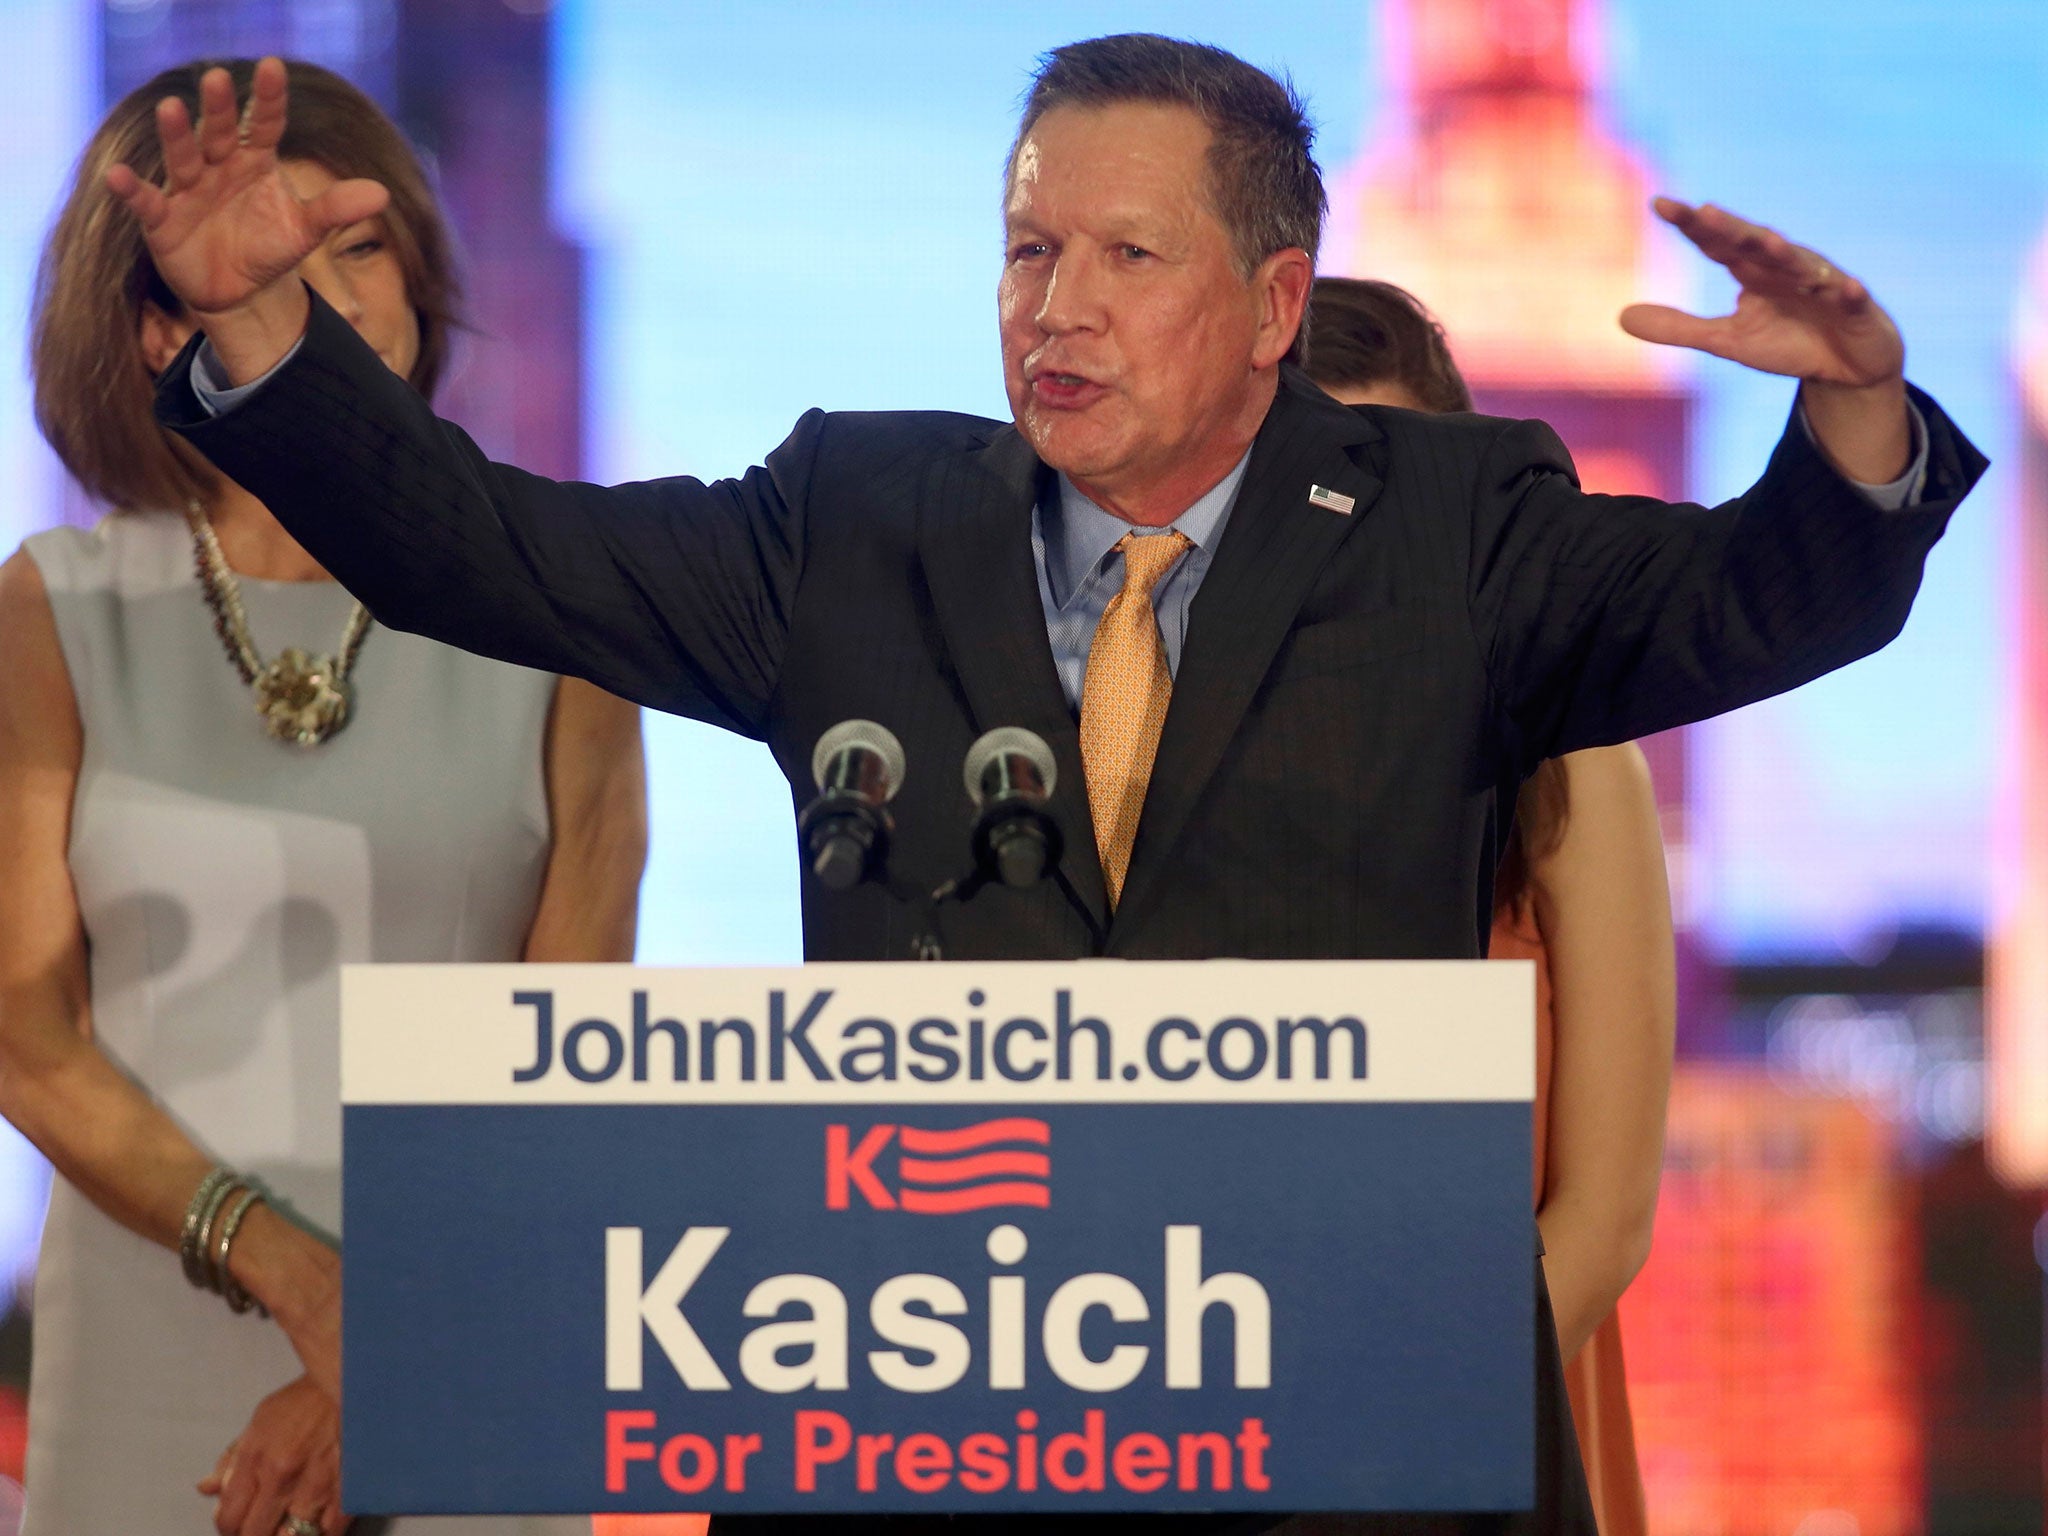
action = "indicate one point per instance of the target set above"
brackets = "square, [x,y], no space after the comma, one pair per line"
[861,735]
[1009,761]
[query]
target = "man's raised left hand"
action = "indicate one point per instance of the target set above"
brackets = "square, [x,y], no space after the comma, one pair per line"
[1800,315]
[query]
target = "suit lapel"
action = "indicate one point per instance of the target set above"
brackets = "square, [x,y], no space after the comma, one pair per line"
[974,539]
[1275,546]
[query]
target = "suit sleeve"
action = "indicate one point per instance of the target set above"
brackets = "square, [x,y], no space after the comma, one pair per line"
[673,593]
[1605,618]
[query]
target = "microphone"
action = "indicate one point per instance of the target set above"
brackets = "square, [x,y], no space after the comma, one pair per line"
[1010,774]
[858,766]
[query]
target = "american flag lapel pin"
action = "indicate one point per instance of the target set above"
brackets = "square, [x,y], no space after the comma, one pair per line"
[1331,501]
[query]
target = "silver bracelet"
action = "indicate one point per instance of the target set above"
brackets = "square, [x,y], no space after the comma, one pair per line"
[198,1215]
[224,1282]
[209,1280]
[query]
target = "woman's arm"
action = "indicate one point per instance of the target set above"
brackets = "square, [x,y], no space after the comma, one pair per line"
[287,1460]
[103,1133]
[1604,910]
[597,808]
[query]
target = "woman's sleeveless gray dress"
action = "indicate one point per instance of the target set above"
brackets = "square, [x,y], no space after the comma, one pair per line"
[223,876]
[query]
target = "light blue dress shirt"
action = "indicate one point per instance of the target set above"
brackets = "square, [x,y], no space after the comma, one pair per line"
[1073,544]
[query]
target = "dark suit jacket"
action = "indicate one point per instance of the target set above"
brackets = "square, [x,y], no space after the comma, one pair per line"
[1359,697]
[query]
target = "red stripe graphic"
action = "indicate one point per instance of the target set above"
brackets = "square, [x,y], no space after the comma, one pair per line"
[959,1170]
[933,1202]
[981,1165]
[982,1135]
[997,1176]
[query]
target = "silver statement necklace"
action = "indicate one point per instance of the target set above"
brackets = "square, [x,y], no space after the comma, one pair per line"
[303,699]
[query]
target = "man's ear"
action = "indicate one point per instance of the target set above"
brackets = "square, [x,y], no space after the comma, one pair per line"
[1281,286]
[163,336]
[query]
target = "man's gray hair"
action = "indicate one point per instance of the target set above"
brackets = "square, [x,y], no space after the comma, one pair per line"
[1267,188]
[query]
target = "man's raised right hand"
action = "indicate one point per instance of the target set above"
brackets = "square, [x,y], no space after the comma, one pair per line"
[226,230]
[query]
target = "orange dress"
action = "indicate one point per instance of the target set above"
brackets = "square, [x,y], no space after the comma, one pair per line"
[1594,1377]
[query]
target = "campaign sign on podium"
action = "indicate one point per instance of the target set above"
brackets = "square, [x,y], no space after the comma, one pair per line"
[1006,1237]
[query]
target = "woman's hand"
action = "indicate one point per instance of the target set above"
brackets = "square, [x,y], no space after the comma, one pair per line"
[225,229]
[285,1465]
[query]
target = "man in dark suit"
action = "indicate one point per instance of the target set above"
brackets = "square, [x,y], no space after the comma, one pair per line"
[1293,658]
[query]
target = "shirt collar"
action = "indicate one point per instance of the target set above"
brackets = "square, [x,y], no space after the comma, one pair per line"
[1079,535]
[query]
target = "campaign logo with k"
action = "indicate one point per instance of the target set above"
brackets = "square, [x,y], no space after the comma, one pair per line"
[939,1173]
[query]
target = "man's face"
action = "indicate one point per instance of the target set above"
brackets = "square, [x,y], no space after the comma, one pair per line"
[1133,349]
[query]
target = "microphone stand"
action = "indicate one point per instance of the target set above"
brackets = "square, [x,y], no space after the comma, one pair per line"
[1009,775]
[926,940]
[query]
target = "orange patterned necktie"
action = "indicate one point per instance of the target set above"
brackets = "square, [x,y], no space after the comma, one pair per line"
[1123,702]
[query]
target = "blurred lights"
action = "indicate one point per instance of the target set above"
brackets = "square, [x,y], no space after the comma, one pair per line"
[1776,1293]
[2016,967]
[1829,1522]
[133,19]
[1914,1061]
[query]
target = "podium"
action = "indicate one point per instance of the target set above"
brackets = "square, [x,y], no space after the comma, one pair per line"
[1084,1236]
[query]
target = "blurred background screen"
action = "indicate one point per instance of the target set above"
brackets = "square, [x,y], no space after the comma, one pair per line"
[684,224]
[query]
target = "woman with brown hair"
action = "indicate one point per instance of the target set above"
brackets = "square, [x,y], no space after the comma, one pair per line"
[1582,893]
[220,780]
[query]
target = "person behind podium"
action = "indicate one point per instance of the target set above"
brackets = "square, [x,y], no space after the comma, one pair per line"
[1293,659]
[1582,894]
[219,780]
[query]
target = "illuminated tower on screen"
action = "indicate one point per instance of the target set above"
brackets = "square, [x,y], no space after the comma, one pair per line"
[2016,1044]
[1498,197]
[1497,194]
